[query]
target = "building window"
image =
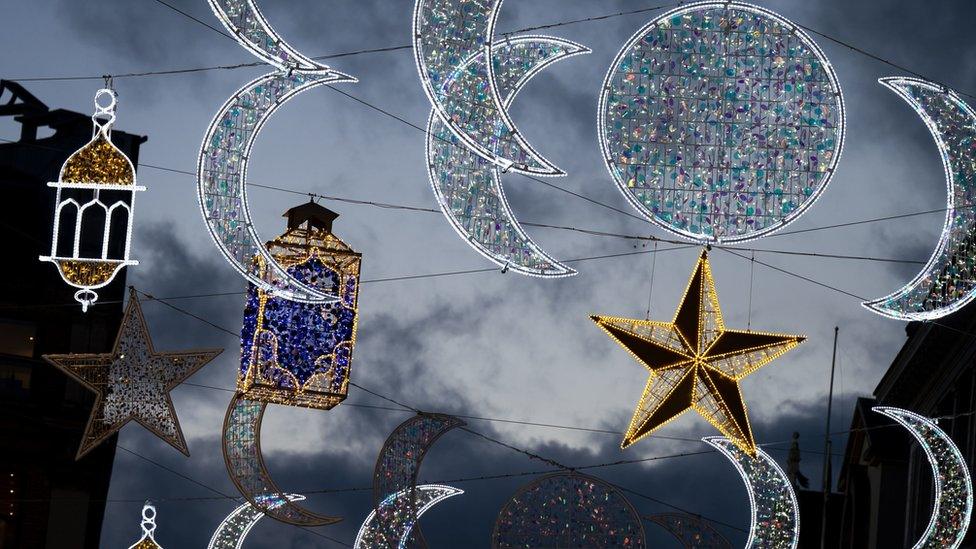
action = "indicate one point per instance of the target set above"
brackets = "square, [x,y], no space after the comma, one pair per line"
[17,338]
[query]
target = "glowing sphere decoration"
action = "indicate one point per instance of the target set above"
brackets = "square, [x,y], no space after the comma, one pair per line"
[568,510]
[721,121]
[95,200]
[299,353]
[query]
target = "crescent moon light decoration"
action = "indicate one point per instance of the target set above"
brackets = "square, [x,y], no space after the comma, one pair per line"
[953,505]
[226,148]
[372,535]
[448,34]
[233,530]
[397,467]
[245,464]
[721,122]
[774,519]
[568,510]
[468,187]
[948,281]
[693,532]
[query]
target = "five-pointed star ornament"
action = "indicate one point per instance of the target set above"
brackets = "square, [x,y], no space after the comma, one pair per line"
[132,382]
[695,362]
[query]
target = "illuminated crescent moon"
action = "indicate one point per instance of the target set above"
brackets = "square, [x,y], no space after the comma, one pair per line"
[948,281]
[233,530]
[447,33]
[371,535]
[468,188]
[245,464]
[953,505]
[248,24]
[691,531]
[222,178]
[397,467]
[775,521]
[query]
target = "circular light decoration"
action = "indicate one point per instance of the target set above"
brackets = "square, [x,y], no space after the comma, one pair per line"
[774,519]
[947,283]
[692,531]
[568,510]
[396,471]
[374,536]
[233,530]
[246,467]
[226,149]
[96,194]
[721,121]
[468,187]
[148,540]
[953,505]
[448,35]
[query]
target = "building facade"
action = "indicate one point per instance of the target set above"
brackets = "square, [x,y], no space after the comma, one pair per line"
[47,499]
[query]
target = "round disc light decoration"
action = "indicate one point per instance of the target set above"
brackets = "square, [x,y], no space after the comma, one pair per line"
[294,353]
[721,121]
[95,197]
[226,148]
[568,510]
[953,505]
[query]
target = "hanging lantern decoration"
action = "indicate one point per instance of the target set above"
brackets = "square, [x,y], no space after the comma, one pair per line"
[295,353]
[147,541]
[94,208]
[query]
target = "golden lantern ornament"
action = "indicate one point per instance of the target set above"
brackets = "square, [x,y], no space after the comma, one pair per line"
[295,353]
[94,208]
[147,541]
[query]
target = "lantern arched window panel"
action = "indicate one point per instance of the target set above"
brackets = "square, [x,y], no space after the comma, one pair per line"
[116,243]
[91,230]
[65,221]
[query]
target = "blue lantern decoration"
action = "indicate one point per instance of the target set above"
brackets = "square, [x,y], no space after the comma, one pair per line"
[299,354]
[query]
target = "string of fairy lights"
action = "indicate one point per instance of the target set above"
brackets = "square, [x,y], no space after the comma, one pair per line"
[678,245]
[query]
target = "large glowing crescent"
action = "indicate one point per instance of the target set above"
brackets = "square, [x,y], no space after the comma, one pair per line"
[397,468]
[774,520]
[948,281]
[222,178]
[953,505]
[234,528]
[252,30]
[468,188]
[372,536]
[447,33]
[245,464]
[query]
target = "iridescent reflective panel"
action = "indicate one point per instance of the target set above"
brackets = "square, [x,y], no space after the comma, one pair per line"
[245,20]
[222,176]
[774,518]
[234,528]
[468,187]
[953,507]
[948,281]
[692,531]
[721,121]
[466,96]
[568,510]
[397,467]
[245,464]
[396,534]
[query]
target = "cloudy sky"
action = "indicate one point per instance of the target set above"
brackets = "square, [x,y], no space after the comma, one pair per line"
[489,344]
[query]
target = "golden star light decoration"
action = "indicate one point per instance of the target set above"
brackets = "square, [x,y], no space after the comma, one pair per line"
[695,362]
[133,381]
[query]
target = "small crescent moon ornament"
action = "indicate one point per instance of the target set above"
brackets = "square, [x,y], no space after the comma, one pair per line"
[245,464]
[774,520]
[953,507]
[233,530]
[372,536]
[947,283]
[721,121]
[226,148]
[396,471]
[447,34]
[468,187]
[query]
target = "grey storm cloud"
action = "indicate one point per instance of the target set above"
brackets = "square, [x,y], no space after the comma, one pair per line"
[490,344]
